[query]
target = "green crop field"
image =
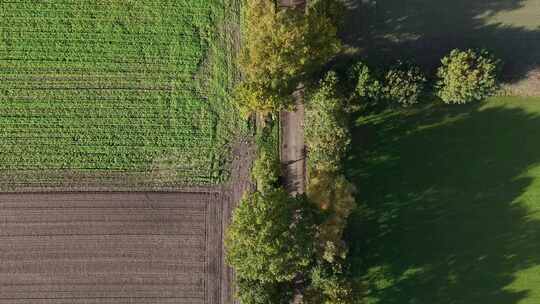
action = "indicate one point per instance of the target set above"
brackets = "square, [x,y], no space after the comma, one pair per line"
[96,87]
[450,204]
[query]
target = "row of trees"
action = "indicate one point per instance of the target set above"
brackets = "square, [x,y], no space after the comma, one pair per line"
[279,245]
[464,76]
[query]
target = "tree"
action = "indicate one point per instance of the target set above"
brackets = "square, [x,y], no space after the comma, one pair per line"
[271,237]
[368,88]
[332,193]
[281,49]
[467,76]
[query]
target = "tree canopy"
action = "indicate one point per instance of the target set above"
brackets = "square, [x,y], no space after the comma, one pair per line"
[271,237]
[282,47]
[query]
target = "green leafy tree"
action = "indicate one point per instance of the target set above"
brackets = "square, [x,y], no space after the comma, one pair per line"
[467,76]
[271,237]
[404,84]
[368,88]
[327,135]
[328,138]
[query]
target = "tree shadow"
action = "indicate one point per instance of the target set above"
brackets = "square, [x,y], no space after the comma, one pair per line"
[449,215]
[426,30]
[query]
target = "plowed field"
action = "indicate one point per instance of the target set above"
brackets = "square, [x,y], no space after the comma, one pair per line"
[112,248]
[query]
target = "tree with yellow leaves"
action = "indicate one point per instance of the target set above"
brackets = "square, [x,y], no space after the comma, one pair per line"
[282,48]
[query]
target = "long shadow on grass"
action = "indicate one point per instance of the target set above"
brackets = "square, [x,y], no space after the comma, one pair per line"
[447,215]
[425,30]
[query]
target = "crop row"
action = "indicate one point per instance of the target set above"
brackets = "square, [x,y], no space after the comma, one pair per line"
[69,6]
[107,60]
[185,97]
[117,86]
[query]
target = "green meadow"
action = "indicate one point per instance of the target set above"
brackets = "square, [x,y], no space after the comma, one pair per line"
[450,204]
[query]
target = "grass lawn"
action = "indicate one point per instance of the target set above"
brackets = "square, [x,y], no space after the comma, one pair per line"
[451,198]
[140,87]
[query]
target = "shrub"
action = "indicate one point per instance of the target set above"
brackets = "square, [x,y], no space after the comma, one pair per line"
[333,9]
[327,135]
[367,86]
[271,237]
[254,292]
[328,285]
[332,193]
[467,76]
[266,167]
[250,98]
[328,138]
[266,170]
[404,84]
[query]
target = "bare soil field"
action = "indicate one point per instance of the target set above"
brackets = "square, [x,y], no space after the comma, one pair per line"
[111,247]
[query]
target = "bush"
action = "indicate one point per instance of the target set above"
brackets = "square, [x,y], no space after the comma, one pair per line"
[327,135]
[332,193]
[266,167]
[333,9]
[367,86]
[254,292]
[467,76]
[266,170]
[404,84]
[328,286]
[271,237]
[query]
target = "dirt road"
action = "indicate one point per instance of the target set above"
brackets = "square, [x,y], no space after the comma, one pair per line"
[293,152]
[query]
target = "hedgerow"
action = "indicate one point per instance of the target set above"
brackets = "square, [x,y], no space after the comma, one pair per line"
[266,169]
[326,132]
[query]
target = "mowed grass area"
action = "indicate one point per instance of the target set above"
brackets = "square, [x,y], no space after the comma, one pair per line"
[137,87]
[450,204]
